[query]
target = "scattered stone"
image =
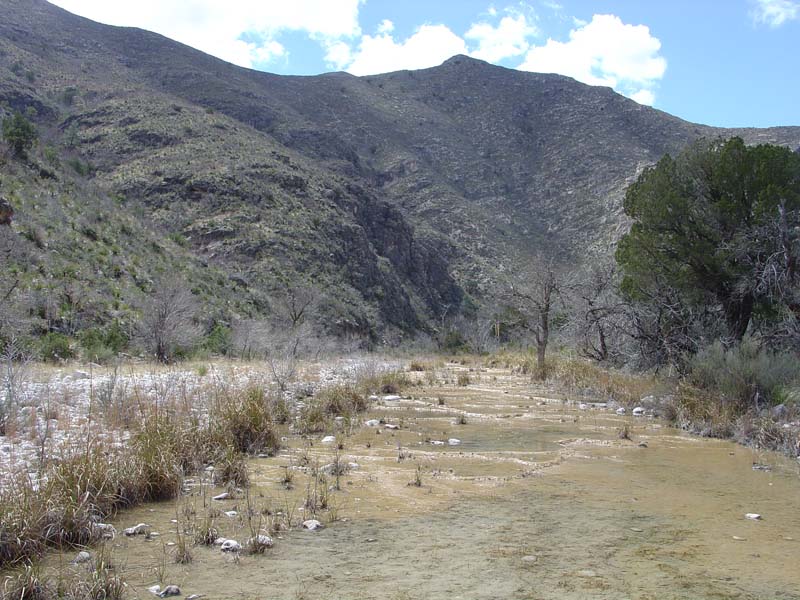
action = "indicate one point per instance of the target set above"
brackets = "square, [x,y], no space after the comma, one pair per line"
[260,541]
[219,541]
[391,426]
[170,590]
[154,589]
[739,539]
[587,573]
[82,557]
[230,513]
[453,442]
[231,546]
[621,410]
[780,411]
[642,444]
[761,467]
[371,540]
[583,406]
[140,529]
[637,530]
[329,439]
[353,466]
[78,375]
[530,559]
[638,411]
[372,423]
[312,525]
[194,597]
[222,496]
[437,442]
[107,531]
[391,398]
[753,516]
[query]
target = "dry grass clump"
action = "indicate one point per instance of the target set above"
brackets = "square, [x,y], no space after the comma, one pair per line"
[342,400]
[463,379]
[247,421]
[584,377]
[390,382]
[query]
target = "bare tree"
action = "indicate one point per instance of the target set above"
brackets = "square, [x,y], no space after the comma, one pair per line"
[599,316]
[535,300]
[167,322]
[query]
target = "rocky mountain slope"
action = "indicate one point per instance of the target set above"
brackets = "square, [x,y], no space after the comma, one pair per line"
[403,196]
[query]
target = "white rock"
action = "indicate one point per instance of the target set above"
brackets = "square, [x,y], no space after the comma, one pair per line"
[353,466]
[329,439]
[583,406]
[638,411]
[372,398]
[219,541]
[154,589]
[231,546]
[372,423]
[391,426]
[454,441]
[230,513]
[437,442]
[621,410]
[222,496]
[391,398]
[78,375]
[81,558]
[107,531]
[753,516]
[170,590]
[139,529]
[260,540]
[312,525]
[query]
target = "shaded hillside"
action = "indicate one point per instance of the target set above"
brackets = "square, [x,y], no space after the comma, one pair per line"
[391,193]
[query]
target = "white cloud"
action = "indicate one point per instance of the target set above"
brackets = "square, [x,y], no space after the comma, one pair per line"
[508,39]
[386,26]
[429,46]
[646,97]
[218,28]
[775,12]
[607,52]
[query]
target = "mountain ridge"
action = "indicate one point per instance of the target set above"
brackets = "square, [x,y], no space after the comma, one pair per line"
[401,195]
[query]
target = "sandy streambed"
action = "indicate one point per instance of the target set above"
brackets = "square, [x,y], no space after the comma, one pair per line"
[538,500]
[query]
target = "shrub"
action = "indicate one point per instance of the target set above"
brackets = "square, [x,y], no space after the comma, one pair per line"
[19,133]
[54,347]
[745,377]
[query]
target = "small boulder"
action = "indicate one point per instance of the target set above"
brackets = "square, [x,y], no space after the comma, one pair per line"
[621,410]
[231,546]
[329,439]
[372,423]
[106,530]
[312,525]
[6,212]
[454,442]
[82,557]
[170,590]
[779,412]
[638,411]
[260,541]
[140,529]
[753,516]
[222,496]
[391,398]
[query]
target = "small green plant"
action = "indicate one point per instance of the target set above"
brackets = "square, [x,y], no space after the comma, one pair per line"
[19,133]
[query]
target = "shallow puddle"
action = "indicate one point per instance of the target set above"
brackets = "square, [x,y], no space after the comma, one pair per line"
[536,501]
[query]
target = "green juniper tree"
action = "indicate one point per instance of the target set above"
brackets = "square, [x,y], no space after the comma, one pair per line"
[19,133]
[714,246]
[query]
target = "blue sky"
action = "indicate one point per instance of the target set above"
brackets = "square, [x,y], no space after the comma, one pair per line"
[719,62]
